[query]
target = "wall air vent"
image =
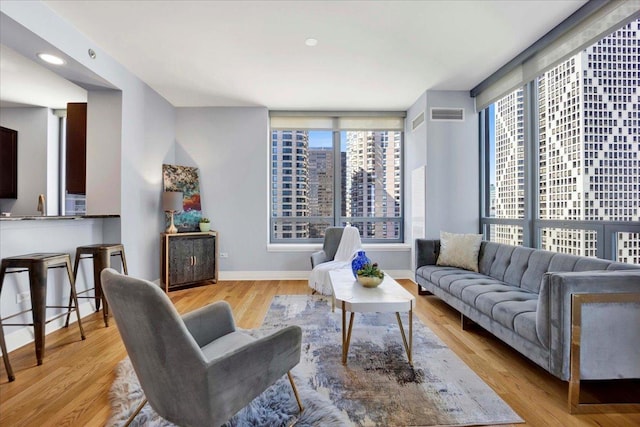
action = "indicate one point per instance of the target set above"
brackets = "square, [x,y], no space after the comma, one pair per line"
[415,123]
[447,114]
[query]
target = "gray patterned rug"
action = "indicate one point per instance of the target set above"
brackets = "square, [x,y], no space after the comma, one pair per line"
[377,387]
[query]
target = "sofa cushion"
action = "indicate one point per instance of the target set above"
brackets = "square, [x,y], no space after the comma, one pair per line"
[518,265]
[456,281]
[525,325]
[486,256]
[459,250]
[501,261]
[427,271]
[562,262]
[591,264]
[470,293]
[444,276]
[504,305]
[471,290]
[538,265]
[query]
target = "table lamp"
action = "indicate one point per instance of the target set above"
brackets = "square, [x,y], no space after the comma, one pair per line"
[172,202]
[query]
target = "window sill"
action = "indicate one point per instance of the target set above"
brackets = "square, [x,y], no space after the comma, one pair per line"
[312,247]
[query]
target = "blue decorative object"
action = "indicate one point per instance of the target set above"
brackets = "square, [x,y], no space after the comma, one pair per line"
[358,262]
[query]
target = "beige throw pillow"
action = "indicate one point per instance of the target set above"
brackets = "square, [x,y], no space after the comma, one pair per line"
[459,250]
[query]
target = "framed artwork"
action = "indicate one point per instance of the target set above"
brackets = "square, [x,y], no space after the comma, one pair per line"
[185,179]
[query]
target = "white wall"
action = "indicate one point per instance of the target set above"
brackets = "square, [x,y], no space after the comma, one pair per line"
[53,164]
[146,139]
[449,151]
[32,125]
[230,146]
[104,133]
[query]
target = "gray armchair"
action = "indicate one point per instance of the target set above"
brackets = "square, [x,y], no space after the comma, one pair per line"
[195,370]
[332,236]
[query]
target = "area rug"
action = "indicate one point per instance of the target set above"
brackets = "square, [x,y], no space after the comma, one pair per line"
[377,387]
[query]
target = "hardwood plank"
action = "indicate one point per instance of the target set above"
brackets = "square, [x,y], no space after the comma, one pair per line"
[71,387]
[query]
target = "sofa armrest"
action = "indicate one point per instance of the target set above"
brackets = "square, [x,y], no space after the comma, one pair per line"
[553,322]
[427,251]
[318,258]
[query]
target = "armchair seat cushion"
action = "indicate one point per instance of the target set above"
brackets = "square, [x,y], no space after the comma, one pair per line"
[226,344]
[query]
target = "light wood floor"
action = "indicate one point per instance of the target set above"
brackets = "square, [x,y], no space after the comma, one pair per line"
[71,387]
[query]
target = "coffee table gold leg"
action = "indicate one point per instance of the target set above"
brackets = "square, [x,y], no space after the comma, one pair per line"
[344,329]
[345,344]
[407,346]
[411,336]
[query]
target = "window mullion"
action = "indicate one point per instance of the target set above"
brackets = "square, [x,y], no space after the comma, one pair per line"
[337,175]
[530,160]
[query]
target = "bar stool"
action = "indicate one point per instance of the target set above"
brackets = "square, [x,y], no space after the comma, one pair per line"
[101,254]
[38,264]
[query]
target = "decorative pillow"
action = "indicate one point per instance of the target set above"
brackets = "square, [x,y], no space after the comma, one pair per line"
[459,250]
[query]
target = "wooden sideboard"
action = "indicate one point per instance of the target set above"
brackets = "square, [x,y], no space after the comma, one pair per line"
[189,259]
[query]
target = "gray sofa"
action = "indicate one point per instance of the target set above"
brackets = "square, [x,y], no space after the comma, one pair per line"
[523,296]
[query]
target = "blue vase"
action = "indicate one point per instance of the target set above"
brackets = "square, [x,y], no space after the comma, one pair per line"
[358,262]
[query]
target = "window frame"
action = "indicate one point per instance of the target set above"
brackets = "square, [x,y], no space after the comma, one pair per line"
[337,219]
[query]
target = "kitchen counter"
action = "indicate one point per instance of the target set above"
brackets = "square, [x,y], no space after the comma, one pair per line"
[53,217]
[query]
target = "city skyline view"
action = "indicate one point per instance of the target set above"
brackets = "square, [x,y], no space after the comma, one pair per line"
[588,148]
[303,182]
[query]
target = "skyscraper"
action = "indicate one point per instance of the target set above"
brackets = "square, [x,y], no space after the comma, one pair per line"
[373,180]
[321,180]
[290,182]
[589,110]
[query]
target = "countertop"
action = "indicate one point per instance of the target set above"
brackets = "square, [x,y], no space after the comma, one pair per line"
[53,217]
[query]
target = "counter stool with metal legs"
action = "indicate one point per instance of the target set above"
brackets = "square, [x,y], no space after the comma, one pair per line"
[101,254]
[38,264]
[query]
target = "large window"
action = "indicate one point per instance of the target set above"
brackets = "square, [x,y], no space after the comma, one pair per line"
[562,155]
[324,177]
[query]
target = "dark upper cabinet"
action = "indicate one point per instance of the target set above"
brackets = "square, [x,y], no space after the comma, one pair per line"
[76,155]
[8,163]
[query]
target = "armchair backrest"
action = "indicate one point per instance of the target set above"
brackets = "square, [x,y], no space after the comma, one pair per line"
[332,236]
[164,355]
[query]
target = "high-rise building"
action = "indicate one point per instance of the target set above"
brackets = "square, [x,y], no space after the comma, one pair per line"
[290,182]
[373,181]
[589,109]
[321,184]
[509,160]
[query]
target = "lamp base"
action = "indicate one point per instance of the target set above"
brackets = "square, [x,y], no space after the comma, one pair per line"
[172,228]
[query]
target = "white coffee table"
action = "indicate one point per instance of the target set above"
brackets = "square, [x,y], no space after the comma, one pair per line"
[389,296]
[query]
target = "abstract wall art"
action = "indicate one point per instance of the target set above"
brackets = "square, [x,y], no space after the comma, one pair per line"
[185,179]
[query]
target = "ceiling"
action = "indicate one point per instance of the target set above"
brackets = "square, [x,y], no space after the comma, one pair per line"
[371,55]
[24,82]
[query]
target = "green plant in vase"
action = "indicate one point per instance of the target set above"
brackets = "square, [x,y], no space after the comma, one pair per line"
[370,275]
[205,224]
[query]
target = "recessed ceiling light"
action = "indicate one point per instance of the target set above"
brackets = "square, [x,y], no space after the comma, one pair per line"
[311,42]
[51,59]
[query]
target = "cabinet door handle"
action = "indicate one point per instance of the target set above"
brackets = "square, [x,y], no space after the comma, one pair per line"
[195,260]
[191,260]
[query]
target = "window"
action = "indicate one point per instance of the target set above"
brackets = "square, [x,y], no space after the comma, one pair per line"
[348,173]
[561,160]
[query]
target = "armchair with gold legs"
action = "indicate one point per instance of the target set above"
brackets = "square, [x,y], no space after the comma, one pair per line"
[196,369]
